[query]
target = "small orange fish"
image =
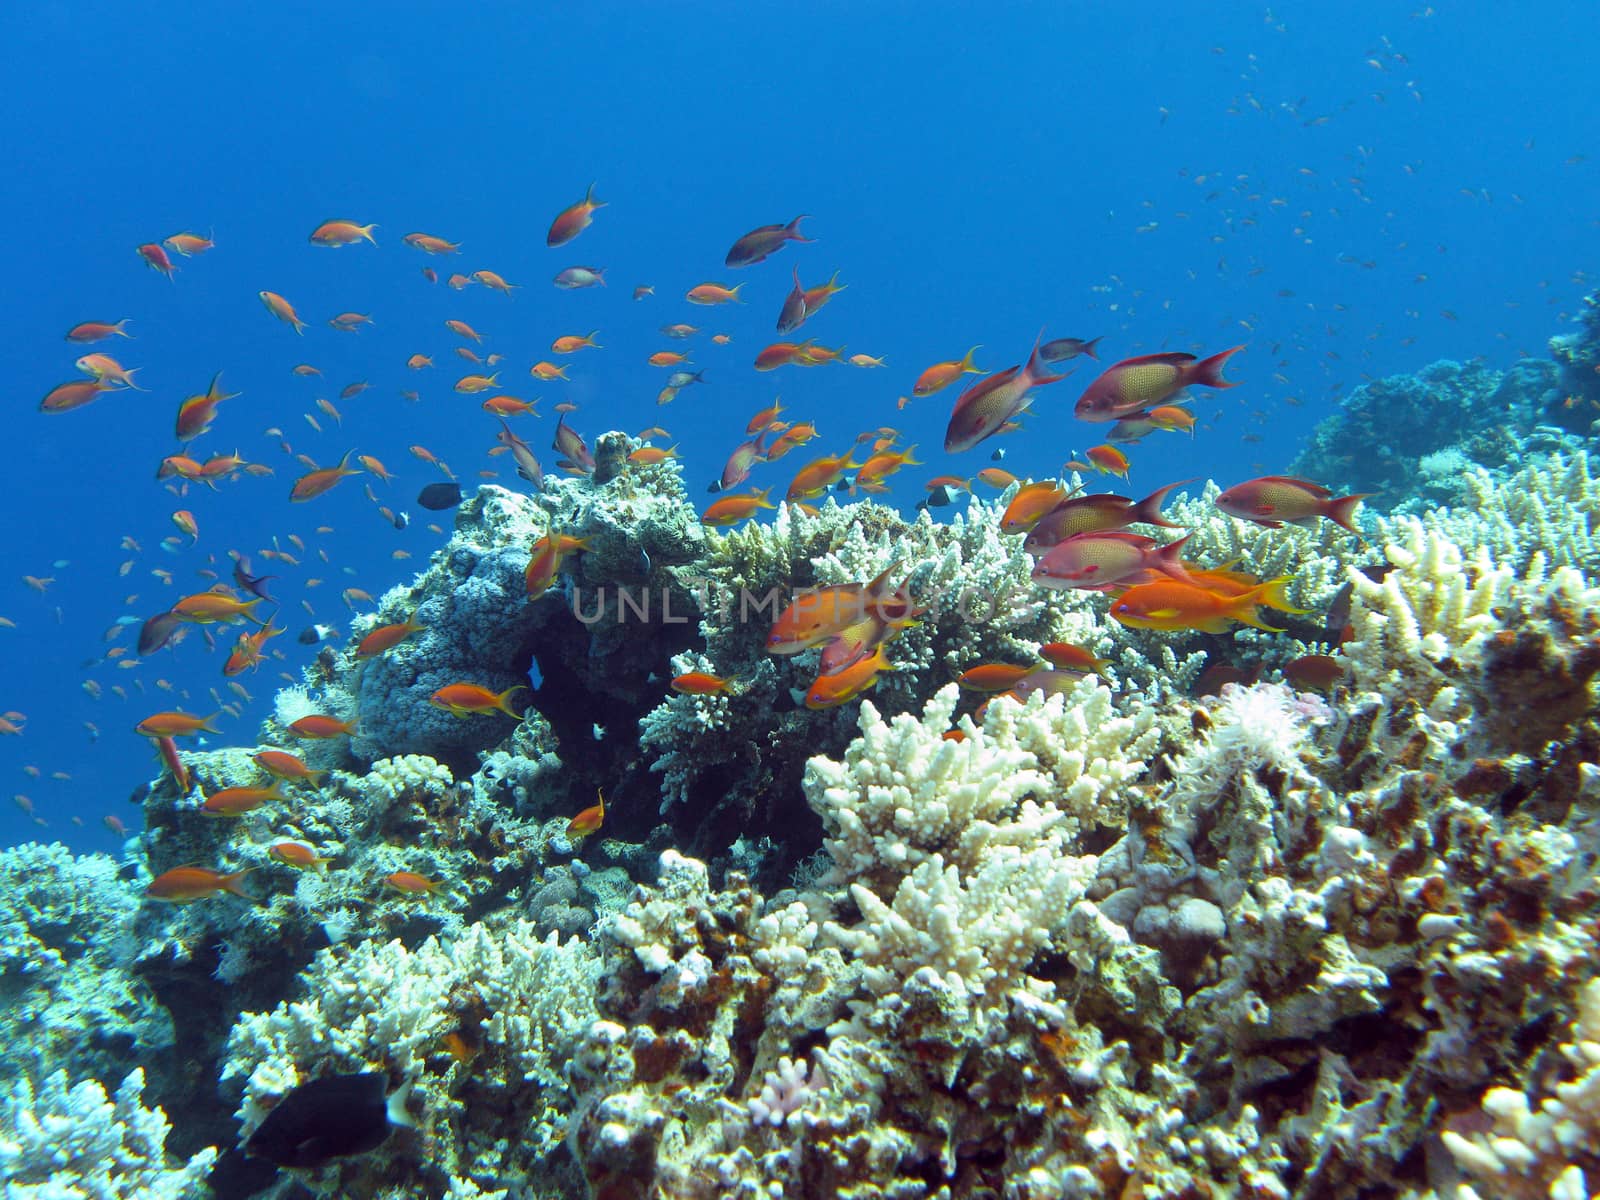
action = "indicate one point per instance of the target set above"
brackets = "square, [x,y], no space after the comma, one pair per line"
[866,360]
[386,637]
[508,406]
[175,724]
[994,677]
[341,233]
[1032,501]
[547,371]
[700,683]
[319,726]
[429,244]
[1109,459]
[941,375]
[830,691]
[467,699]
[283,310]
[713,293]
[156,258]
[667,358]
[286,766]
[66,396]
[237,801]
[573,220]
[997,477]
[409,883]
[184,885]
[1170,605]
[109,371]
[315,483]
[493,282]
[571,343]
[469,384]
[85,332]
[1067,657]
[649,456]
[305,370]
[817,476]
[590,819]
[350,322]
[730,510]
[376,467]
[1172,419]
[299,856]
[417,361]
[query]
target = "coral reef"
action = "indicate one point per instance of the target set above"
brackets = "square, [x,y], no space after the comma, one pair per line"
[61,1142]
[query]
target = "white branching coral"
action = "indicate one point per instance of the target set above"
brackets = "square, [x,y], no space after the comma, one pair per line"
[77,1143]
[904,792]
[384,1004]
[1530,1152]
[1264,725]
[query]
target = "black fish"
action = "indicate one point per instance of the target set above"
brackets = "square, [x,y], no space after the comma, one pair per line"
[437,497]
[157,632]
[333,1117]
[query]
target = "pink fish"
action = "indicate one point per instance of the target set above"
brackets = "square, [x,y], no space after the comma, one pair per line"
[1095,560]
[990,403]
[737,468]
[754,246]
[1098,513]
[570,442]
[1136,384]
[1273,500]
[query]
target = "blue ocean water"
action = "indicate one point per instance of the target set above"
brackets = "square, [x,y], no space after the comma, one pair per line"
[1348,191]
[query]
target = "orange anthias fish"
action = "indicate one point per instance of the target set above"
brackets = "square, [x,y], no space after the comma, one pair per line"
[247,652]
[283,310]
[320,726]
[409,883]
[467,699]
[1032,501]
[1137,384]
[985,407]
[544,561]
[713,293]
[667,358]
[941,375]
[156,258]
[830,691]
[756,245]
[237,801]
[184,885]
[994,677]
[493,282]
[818,614]
[175,724]
[547,371]
[429,244]
[299,856]
[386,637]
[204,608]
[196,413]
[571,343]
[818,476]
[286,766]
[314,483]
[85,332]
[1067,657]
[341,233]
[730,510]
[573,220]
[469,384]
[1108,459]
[590,819]
[1273,500]
[701,683]
[108,371]
[67,396]
[877,468]
[1170,605]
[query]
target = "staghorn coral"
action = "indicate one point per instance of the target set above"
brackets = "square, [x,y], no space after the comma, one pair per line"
[61,1142]
[496,1097]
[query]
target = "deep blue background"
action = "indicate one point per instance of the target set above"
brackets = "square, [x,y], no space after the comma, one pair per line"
[1176,176]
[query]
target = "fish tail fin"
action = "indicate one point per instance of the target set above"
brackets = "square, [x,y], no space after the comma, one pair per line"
[366,232]
[1170,559]
[588,198]
[128,379]
[120,331]
[1271,594]
[1208,371]
[395,1105]
[1148,510]
[230,883]
[1342,511]
[1035,368]
[792,229]
[734,292]
[1088,348]
[503,700]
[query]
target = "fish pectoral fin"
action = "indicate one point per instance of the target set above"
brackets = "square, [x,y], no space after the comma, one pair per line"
[1163,614]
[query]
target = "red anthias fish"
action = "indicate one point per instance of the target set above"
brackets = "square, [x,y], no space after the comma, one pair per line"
[1136,384]
[737,469]
[988,404]
[754,246]
[1274,499]
[570,443]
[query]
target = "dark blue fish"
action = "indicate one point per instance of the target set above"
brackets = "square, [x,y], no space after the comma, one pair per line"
[256,585]
[336,1116]
[437,497]
[157,632]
